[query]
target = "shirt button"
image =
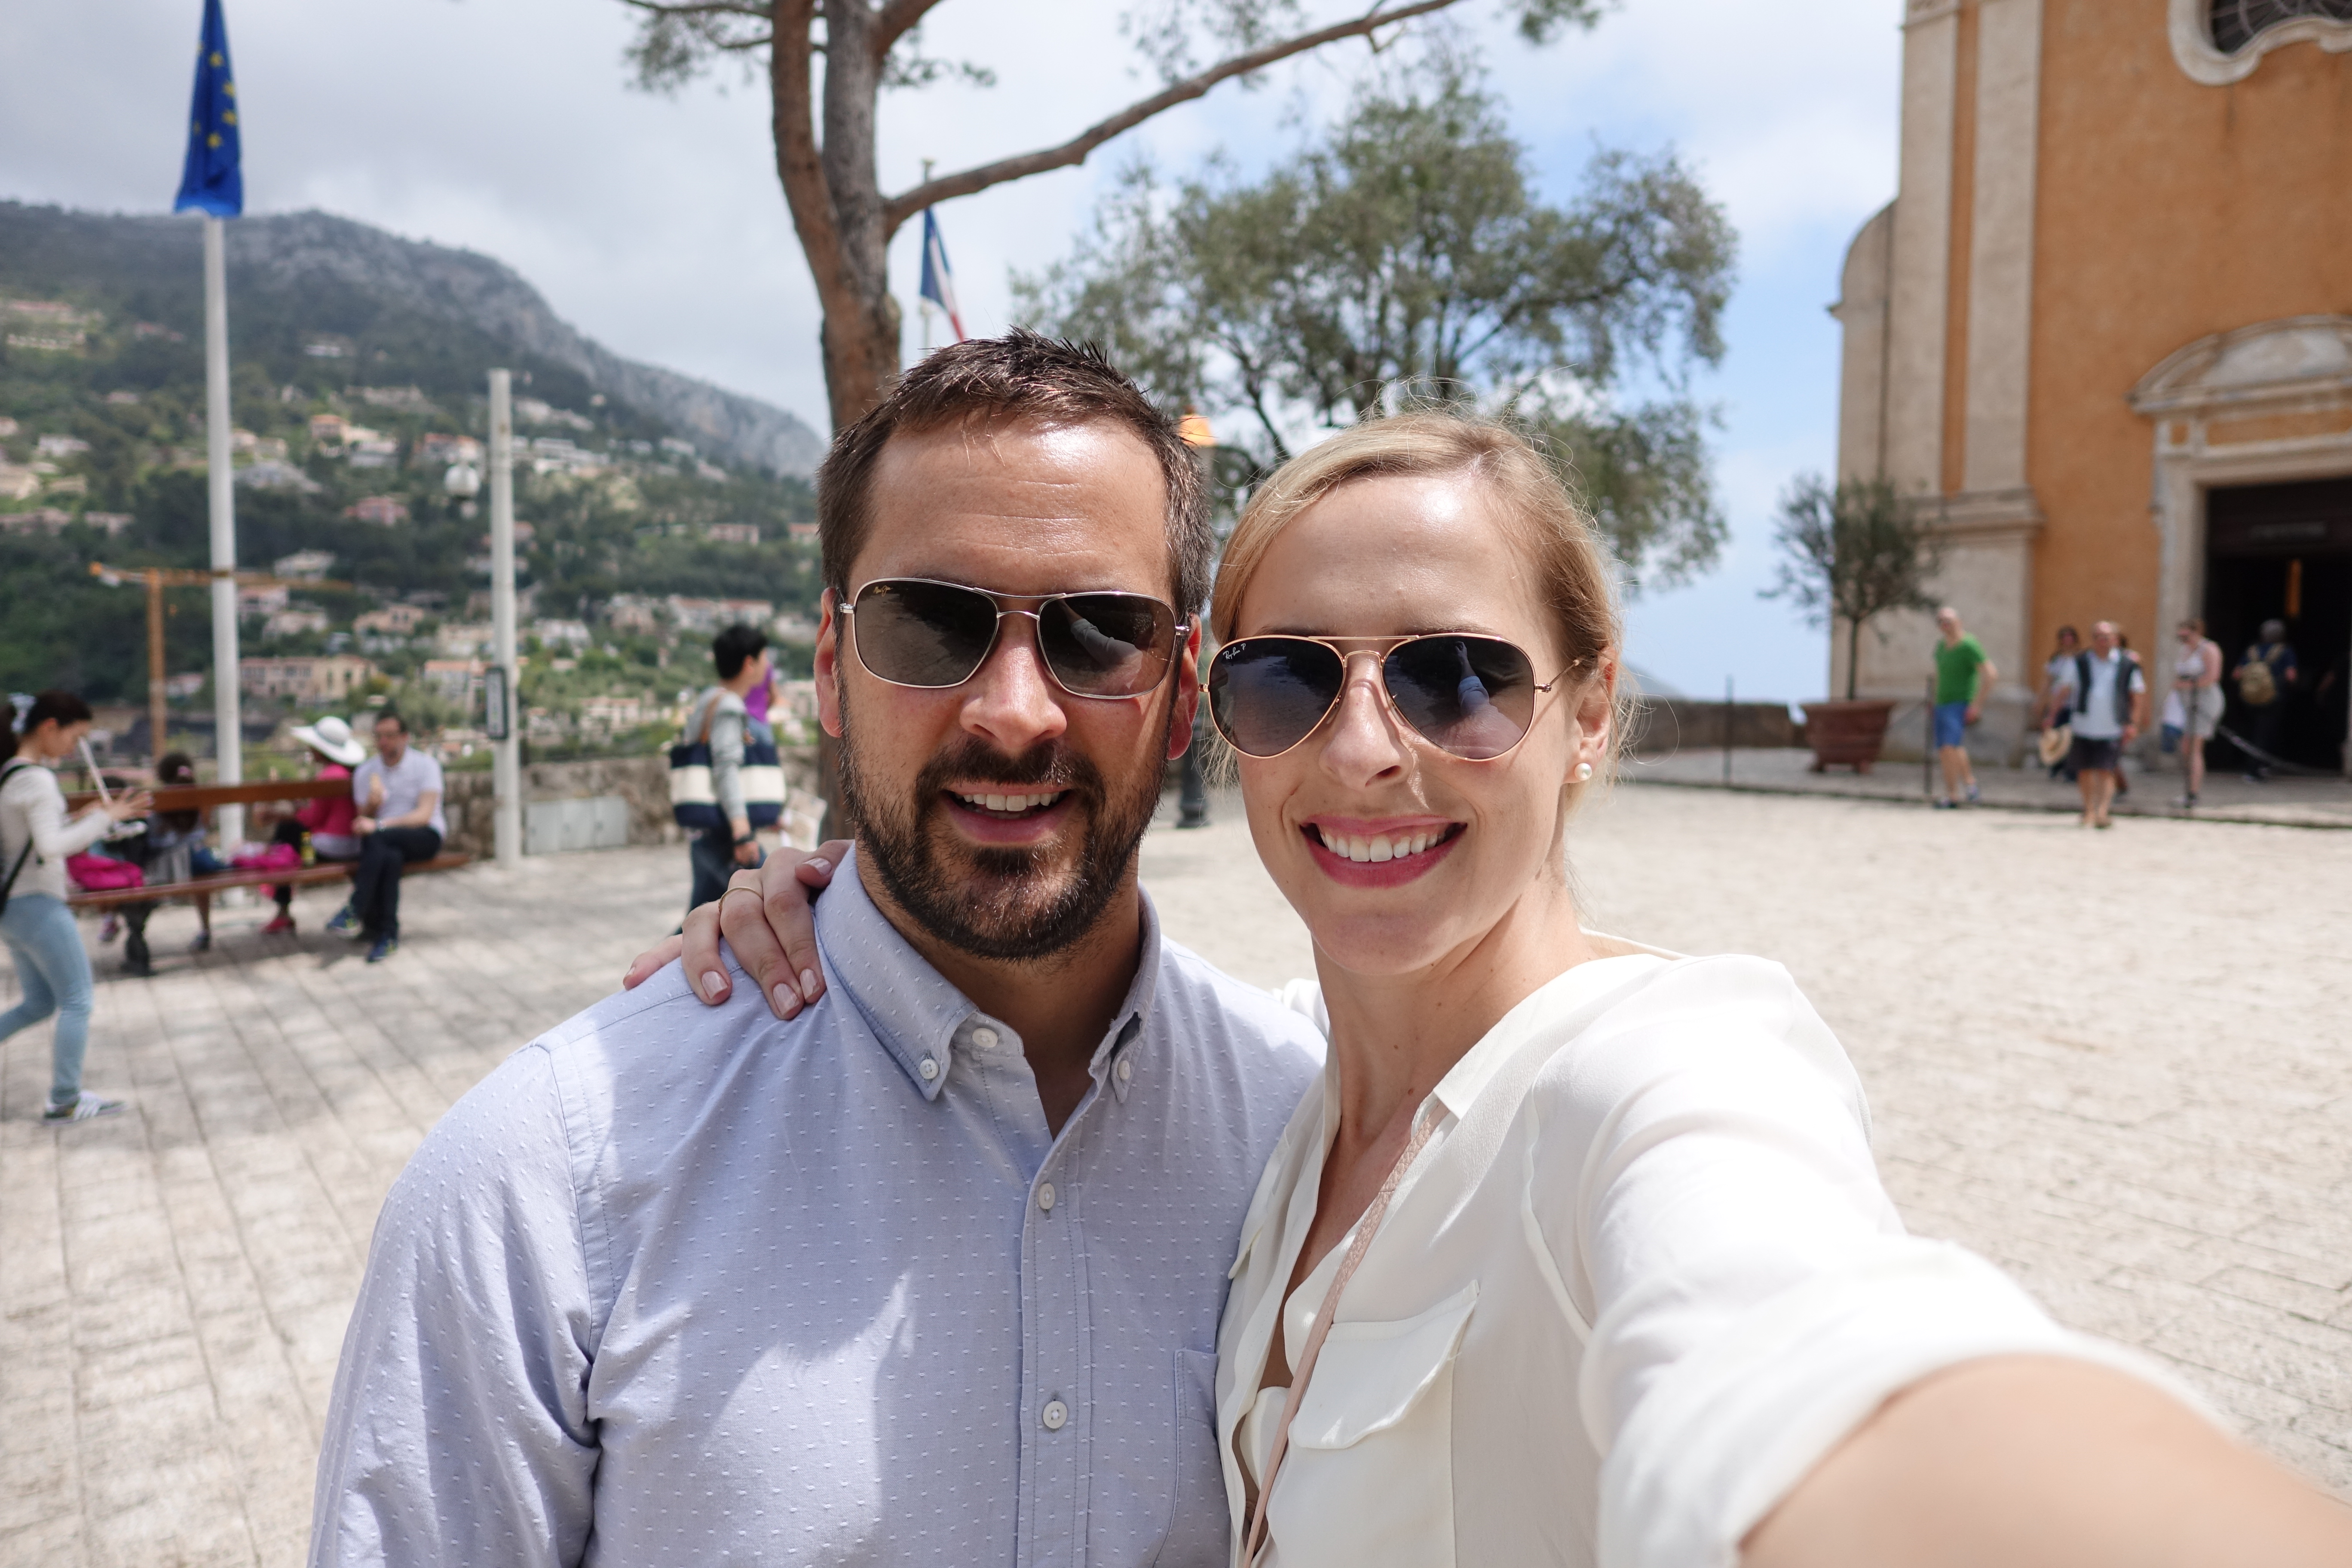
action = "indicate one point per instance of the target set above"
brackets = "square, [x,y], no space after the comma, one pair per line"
[1045,1197]
[984,1038]
[1125,1069]
[929,1068]
[1056,1414]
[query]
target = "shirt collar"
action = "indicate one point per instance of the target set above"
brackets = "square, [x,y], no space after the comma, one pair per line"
[1564,994]
[921,1019]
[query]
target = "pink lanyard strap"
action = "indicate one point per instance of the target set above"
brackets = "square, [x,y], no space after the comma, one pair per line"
[1254,1543]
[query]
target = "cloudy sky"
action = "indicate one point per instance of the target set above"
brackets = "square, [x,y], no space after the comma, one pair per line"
[655,224]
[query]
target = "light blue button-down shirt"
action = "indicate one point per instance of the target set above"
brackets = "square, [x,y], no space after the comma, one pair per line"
[679,1284]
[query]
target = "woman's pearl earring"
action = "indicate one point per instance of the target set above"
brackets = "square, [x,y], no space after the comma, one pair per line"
[1583,773]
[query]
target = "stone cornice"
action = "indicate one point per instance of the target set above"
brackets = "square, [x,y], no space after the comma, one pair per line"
[1974,516]
[2190,29]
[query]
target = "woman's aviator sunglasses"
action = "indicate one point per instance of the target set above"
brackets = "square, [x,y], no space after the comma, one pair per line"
[1470,697]
[912,631]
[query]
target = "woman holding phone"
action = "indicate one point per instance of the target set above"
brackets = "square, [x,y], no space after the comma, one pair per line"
[1577,1252]
[36,838]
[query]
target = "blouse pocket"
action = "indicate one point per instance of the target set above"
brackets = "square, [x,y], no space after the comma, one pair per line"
[1369,1475]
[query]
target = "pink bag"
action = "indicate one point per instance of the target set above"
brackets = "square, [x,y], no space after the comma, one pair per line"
[270,858]
[99,874]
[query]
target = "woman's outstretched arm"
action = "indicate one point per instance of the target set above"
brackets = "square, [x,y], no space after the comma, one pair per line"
[2046,1463]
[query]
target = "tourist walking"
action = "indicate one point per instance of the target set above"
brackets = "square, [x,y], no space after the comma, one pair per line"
[1963,675]
[36,838]
[2266,678]
[2106,705]
[1575,1253]
[323,823]
[720,719]
[399,820]
[2194,707]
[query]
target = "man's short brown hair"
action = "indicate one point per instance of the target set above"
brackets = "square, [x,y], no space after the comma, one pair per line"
[1022,376]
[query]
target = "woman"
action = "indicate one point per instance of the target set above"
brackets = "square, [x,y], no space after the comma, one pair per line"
[52,969]
[1577,1252]
[2195,705]
[326,819]
[2057,676]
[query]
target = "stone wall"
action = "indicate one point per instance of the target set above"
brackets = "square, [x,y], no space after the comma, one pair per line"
[643,781]
[1665,725]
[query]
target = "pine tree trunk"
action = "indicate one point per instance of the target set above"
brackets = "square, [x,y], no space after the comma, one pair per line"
[835,198]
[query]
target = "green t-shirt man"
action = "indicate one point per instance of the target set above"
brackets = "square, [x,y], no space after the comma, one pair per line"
[1957,664]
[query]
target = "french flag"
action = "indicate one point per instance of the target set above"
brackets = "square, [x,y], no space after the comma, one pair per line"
[938,279]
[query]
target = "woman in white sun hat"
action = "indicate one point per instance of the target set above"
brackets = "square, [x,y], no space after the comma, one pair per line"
[327,819]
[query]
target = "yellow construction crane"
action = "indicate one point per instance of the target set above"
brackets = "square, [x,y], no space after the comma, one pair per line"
[158,578]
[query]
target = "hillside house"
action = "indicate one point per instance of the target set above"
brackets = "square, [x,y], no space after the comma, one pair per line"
[393,620]
[457,681]
[330,678]
[308,564]
[386,511]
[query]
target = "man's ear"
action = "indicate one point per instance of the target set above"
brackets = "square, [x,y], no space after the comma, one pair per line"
[829,665]
[1188,692]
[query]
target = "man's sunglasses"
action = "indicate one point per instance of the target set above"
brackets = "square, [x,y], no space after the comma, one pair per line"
[911,631]
[1470,697]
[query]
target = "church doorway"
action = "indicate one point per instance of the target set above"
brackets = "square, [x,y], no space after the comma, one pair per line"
[2283,551]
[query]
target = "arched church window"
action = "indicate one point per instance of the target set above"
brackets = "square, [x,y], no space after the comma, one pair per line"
[2237,23]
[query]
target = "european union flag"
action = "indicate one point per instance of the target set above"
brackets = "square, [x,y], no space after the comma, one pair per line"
[211,181]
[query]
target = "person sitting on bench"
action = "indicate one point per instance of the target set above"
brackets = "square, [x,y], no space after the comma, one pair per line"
[326,819]
[399,795]
[166,854]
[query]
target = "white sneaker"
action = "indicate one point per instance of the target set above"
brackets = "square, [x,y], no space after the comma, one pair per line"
[84,1106]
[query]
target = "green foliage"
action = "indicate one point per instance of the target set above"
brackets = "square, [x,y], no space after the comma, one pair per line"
[1406,259]
[1852,552]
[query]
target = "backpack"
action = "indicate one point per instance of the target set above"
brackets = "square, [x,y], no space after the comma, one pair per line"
[2257,686]
[8,772]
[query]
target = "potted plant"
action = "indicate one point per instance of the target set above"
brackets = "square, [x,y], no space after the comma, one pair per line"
[1849,554]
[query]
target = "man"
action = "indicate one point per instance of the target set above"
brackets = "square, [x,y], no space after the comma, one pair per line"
[399,795]
[2264,676]
[740,653]
[2107,706]
[930,1273]
[1963,675]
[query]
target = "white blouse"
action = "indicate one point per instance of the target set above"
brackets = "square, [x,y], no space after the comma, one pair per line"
[1639,1281]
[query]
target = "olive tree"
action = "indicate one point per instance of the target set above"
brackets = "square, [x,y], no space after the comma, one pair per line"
[1405,258]
[1852,552]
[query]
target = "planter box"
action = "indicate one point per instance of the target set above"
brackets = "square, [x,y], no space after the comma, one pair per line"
[1846,735]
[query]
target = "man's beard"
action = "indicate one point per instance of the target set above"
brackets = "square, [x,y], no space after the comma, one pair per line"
[998,901]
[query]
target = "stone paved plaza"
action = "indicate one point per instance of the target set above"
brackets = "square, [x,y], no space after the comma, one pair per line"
[2119,1063]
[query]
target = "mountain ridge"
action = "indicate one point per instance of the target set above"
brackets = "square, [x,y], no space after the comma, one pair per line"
[298,274]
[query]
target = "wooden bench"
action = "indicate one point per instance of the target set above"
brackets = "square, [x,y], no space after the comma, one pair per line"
[200,890]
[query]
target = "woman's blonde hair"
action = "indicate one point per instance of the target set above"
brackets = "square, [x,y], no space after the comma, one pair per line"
[1554,535]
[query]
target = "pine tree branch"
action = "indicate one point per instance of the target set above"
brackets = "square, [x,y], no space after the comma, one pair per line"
[698,7]
[895,20]
[906,205]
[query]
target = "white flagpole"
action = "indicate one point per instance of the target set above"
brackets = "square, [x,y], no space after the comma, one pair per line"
[506,758]
[227,726]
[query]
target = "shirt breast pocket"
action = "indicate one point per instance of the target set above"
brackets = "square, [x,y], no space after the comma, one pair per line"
[1369,1475]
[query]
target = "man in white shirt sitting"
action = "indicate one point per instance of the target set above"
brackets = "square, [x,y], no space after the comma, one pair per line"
[400,820]
[2106,697]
